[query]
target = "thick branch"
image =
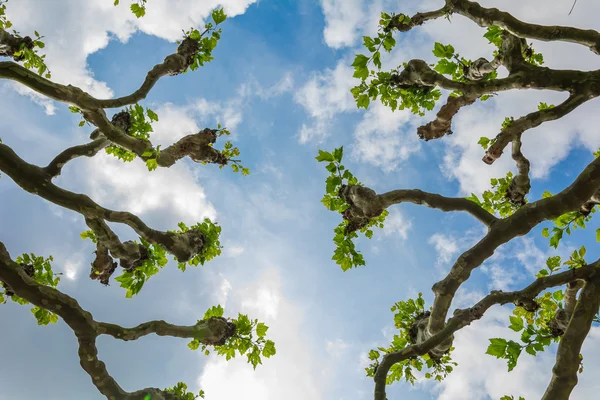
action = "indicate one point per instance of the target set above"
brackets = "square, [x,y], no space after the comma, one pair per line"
[464,317]
[84,150]
[492,16]
[564,373]
[211,332]
[434,200]
[32,179]
[532,120]
[442,125]
[502,231]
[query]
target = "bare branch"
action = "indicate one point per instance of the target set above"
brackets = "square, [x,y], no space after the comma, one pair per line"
[464,317]
[434,200]
[492,16]
[84,150]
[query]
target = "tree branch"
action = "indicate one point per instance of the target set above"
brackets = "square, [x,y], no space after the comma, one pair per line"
[532,120]
[504,230]
[416,20]
[442,203]
[442,125]
[86,329]
[492,16]
[564,373]
[33,179]
[464,317]
[520,185]
[84,150]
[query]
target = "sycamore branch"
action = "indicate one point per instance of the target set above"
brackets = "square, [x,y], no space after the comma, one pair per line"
[564,373]
[491,16]
[504,230]
[33,179]
[416,20]
[520,185]
[90,149]
[86,329]
[366,203]
[532,120]
[464,317]
[442,125]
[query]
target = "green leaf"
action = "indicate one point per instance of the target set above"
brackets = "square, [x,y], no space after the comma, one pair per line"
[324,156]
[152,115]
[441,51]
[363,101]
[261,329]
[269,349]
[137,10]
[484,142]
[214,311]
[516,323]
[219,16]
[338,153]
[598,235]
[545,232]
[497,347]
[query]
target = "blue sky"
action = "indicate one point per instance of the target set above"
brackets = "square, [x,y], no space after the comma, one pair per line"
[280,81]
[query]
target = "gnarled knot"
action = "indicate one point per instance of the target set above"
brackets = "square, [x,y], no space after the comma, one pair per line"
[9,47]
[587,207]
[103,265]
[419,333]
[518,189]
[122,120]
[187,244]
[221,329]
[29,270]
[184,57]
[364,205]
[527,304]
[558,324]
[135,257]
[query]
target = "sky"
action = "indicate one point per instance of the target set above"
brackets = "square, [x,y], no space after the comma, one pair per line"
[280,82]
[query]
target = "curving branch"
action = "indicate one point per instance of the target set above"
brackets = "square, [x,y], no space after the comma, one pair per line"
[442,125]
[535,119]
[416,20]
[54,168]
[33,179]
[366,203]
[564,373]
[521,184]
[464,317]
[86,329]
[504,230]
[485,17]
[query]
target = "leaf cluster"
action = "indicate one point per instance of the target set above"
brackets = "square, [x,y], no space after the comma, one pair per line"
[495,201]
[206,44]
[134,280]
[345,253]
[405,315]
[181,390]
[140,128]
[212,245]
[248,340]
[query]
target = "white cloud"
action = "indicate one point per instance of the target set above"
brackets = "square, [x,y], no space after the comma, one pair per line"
[342,19]
[397,223]
[381,138]
[502,277]
[323,96]
[131,187]
[445,245]
[336,348]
